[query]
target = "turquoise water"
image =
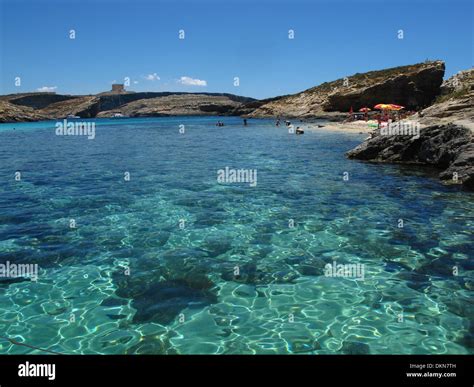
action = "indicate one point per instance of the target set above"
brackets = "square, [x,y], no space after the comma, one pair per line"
[129,279]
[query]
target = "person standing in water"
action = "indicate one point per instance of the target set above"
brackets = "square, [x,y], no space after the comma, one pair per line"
[245,122]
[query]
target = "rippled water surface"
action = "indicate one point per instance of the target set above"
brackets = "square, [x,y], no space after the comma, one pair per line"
[129,279]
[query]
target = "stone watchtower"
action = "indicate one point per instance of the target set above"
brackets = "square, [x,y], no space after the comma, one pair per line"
[118,88]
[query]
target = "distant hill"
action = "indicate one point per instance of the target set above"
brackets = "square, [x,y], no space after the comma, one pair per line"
[414,86]
[42,106]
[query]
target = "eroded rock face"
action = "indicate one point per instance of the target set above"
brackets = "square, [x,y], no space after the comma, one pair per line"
[414,87]
[448,147]
[84,107]
[413,90]
[43,106]
[456,102]
[461,80]
[192,104]
[10,112]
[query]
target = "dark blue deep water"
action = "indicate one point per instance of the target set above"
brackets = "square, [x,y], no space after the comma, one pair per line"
[172,261]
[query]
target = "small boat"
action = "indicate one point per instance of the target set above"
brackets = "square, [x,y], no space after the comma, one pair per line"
[119,115]
[72,116]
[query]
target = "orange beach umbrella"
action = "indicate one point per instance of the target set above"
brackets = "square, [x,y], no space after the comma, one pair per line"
[388,106]
[364,109]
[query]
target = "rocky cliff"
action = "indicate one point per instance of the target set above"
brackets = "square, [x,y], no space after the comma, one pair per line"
[42,106]
[446,142]
[176,105]
[415,86]
[454,104]
[84,107]
[10,112]
[448,147]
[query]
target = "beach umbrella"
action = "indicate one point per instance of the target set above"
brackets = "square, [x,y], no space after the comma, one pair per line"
[388,106]
[396,107]
[382,106]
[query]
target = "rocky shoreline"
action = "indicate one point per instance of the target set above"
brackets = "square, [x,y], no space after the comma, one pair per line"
[448,147]
[445,112]
[413,86]
[446,138]
[51,106]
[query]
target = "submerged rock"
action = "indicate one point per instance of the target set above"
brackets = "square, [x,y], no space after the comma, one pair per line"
[161,288]
[163,301]
[438,267]
[311,266]
[355,348]
[246,273]
[414,280]
[467,339]
[215,246]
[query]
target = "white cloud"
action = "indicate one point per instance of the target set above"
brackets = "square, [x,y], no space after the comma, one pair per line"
[188,81]
[135,82]
[152,77]
[48,89]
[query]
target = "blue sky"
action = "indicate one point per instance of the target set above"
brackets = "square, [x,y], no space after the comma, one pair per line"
[223,40]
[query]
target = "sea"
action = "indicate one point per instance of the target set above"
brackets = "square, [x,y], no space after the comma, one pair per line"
[171,235]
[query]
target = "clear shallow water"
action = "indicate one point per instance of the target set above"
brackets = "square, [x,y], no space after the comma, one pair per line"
[181,295]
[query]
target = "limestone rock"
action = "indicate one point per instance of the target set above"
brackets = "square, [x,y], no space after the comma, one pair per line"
[43,106]
[449,147]
[414,86]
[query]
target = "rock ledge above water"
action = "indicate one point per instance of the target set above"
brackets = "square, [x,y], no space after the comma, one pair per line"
[449,147]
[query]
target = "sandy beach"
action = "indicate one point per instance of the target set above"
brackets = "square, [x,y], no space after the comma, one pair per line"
[355,126]
[369,126]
